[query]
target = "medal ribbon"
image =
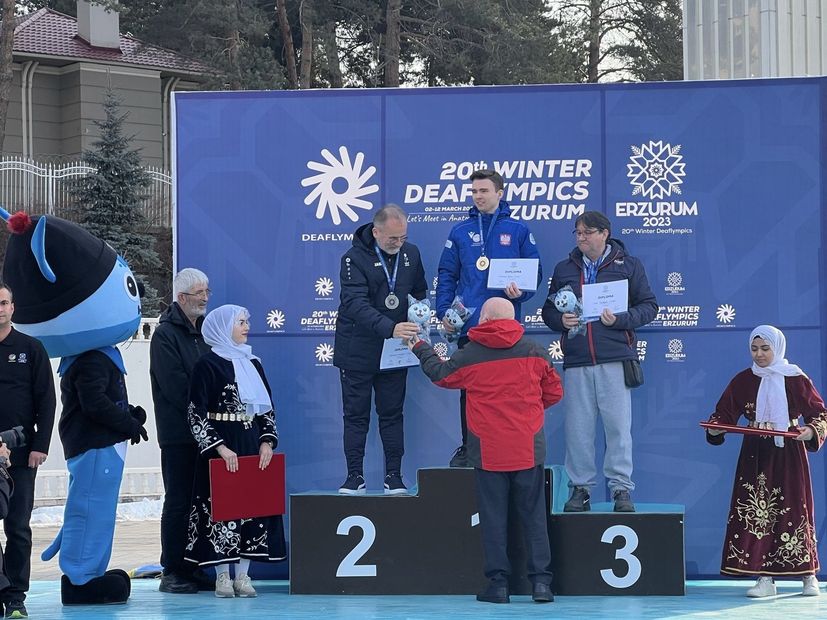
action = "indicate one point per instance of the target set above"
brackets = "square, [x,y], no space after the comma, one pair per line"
[490,228]
[391,281]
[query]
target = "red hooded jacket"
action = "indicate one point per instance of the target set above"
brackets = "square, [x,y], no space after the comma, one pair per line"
[509,383]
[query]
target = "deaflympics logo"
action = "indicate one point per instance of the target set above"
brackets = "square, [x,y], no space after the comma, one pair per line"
[657,169]
[340,185]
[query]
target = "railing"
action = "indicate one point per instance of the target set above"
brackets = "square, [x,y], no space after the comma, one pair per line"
[52,487]
[42,187]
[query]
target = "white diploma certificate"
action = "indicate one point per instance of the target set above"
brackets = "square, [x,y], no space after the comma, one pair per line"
[521,271]
[611,295]
[396,354]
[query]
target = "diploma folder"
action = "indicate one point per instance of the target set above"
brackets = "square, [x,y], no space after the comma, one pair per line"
[248,492]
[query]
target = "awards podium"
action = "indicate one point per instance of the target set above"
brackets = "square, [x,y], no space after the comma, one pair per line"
[429,543]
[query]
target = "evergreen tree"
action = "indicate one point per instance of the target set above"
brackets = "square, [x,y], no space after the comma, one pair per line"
[108,202]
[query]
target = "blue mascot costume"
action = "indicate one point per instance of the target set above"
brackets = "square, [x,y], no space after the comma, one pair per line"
[79,298]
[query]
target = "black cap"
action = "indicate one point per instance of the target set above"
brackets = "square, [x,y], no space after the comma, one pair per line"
[79,261]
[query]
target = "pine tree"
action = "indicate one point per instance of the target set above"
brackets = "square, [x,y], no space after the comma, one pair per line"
[108,202]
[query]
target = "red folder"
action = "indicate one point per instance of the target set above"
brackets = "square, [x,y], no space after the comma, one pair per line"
[749,430]
[248,492]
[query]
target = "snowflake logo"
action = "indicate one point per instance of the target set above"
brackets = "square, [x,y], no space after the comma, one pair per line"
[324,352]
[657,169]
[339,172]
[275,319]
[725,313]
[674,279]
[324,286]
[675,346]
[441,349]
[555,351]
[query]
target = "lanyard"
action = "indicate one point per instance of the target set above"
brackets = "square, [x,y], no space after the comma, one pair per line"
[391,281]
[490,228]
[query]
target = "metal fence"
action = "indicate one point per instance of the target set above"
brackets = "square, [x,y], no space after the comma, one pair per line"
[43,187]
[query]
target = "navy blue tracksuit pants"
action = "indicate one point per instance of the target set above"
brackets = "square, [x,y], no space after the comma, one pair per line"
[527,488]
[388,389]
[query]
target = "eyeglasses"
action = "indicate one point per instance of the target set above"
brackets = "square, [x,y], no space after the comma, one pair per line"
[584,233]
[401,239]
[206,293]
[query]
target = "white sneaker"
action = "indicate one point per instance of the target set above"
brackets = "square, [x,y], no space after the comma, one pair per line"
[243,588]
[224,586]
[765,586]
[811,586]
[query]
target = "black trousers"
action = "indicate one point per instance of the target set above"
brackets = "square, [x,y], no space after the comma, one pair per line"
[526,487]
[463,422]
[389,392]
[178,472]
[18,553]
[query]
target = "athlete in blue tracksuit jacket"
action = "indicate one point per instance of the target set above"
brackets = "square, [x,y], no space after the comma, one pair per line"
[489,232]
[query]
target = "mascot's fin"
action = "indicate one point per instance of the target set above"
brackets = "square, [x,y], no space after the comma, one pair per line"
[39,250]
[50,551]
[4,214]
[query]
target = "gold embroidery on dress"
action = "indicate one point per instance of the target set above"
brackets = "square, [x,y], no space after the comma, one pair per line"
[760,510]
[736,554]
[797,547]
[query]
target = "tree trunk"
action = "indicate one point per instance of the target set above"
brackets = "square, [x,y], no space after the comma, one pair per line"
[594,40]
[6,74]
[331,48]
[289,50]
[392,28]
[306,21]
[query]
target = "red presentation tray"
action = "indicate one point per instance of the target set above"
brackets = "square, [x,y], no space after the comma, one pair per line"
[749,430]
[248,492]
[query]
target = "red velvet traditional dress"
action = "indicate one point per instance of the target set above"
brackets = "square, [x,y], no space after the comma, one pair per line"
[771,525]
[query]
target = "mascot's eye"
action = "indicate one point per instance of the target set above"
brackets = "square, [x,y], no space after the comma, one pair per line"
[131,286]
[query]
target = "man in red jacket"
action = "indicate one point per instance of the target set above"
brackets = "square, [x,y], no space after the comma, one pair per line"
[509,383]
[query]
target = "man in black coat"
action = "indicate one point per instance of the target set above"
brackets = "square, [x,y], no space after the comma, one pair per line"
[175,347]
[6,489]
[377,275]
[27,398]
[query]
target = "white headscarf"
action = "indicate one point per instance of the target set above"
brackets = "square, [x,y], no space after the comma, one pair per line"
[217,331]
[771,405]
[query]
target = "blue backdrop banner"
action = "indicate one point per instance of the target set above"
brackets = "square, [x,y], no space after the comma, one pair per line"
[716,187]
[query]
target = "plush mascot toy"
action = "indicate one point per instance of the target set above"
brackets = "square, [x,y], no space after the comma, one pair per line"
[566,301]
[80,299]
[419,312]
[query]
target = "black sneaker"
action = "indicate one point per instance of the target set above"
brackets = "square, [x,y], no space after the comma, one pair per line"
[579,501]
[354,485]
[623,501]
[173,583]
[394,484]
[460,458]
[16,609]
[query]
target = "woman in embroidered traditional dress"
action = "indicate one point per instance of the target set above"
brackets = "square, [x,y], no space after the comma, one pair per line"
[231,415]
[771,525]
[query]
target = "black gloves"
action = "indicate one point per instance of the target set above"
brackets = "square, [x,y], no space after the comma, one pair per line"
[138,431]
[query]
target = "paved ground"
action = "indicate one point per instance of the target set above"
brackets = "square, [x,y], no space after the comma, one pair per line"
[137,543]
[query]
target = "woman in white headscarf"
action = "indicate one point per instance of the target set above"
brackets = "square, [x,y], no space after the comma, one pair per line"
[771,525]
[230,415]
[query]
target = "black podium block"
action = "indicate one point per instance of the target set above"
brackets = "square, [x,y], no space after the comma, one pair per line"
[377,544]
[608,553]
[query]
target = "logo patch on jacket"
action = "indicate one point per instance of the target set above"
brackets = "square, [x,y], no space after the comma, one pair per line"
[475,237]
[505,239]
[12,357]
[21,359]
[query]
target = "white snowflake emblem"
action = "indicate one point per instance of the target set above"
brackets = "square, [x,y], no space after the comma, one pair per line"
[324,286]
[725,313]
[339,172]
[324,352]
[555,351]
[674,279]
[657,169]
[441,349]
[275,319]
[675,346]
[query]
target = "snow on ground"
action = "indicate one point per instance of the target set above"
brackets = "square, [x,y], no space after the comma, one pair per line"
[142,510]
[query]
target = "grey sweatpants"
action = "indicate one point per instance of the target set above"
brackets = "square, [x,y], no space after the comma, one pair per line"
[593,391]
